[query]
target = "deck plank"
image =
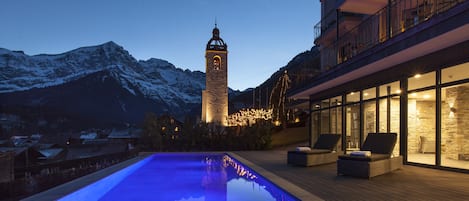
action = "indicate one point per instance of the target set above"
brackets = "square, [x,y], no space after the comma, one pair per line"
[408,183]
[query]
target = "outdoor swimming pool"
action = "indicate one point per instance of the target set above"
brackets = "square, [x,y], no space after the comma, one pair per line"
[184,177]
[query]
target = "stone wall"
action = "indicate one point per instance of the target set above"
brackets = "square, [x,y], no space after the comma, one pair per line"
[455,137]
[421,122]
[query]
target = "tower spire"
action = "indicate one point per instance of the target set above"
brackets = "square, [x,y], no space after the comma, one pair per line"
[215,22]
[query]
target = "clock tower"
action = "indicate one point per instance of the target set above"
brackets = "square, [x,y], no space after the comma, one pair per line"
[215,95]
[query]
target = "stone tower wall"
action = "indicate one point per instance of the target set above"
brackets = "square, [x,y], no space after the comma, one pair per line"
[215,94]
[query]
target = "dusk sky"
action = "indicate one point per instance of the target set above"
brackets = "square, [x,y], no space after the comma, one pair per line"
[262,35]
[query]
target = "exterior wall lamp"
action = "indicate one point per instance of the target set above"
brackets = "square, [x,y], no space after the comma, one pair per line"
[452,109]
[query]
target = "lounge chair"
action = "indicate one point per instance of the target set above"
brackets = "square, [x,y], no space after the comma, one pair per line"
[426,145]
[321,153]
[380,145]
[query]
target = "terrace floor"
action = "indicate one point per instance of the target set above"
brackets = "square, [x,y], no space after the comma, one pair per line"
[408,183]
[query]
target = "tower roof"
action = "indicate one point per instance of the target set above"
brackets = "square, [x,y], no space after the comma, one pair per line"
[216,43]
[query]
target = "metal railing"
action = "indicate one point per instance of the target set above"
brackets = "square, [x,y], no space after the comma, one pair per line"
[403,15]
[325,24]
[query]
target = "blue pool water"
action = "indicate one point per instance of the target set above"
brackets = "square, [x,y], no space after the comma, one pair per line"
[184,177]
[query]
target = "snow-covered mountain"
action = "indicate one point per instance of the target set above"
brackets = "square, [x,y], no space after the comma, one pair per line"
[42,79]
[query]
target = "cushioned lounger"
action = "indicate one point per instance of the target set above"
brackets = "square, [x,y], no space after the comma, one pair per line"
[380,162]
[321,153]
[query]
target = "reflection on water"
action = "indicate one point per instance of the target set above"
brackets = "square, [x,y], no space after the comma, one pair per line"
[240,170]
[214,179]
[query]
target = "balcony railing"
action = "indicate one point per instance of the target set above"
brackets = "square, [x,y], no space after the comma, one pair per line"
[325,24]
[377,28]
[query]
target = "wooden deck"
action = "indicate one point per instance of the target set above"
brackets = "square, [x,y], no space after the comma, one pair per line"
[408,183]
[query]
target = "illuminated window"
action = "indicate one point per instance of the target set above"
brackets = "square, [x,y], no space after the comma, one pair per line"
[394,89]
[455,73]
[353,97]
[421,81]
[369,93]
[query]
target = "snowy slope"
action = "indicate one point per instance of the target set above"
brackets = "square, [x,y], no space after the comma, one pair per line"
[155,79]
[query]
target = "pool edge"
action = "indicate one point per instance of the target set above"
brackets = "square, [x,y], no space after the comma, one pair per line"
[283,183]
[62,190]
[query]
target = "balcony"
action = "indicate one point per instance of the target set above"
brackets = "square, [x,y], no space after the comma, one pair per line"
[386,23]
[326,30]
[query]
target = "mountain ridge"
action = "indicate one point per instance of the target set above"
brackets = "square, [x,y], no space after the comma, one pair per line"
[171,89]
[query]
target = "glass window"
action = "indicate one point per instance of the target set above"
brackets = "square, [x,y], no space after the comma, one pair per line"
[336,120]
[455,73]
[336,123]
[383,115]
[394,89]
[336,101]
[394,120]
[325,103]
[369,93]
[421,127]
[369,117]
[315,106]
[389,121]
[454,126]
[352,129]
[325,121]
[353,97]
[315,126]
[420,81]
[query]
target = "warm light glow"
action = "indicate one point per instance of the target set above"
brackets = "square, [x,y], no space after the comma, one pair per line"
[451,114]
[297,120]
[277,123]
[365,94]
[240,170]
[352,93]
[426,96]
[163,128]
[176,129]
[417,76]
[316,106]
[398,91]
[248,116]
[451,104]
[413,94]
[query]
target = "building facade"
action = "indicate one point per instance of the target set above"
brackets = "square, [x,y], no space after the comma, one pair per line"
[398,66]
[215,95]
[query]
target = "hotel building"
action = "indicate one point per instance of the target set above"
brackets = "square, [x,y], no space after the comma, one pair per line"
[398,66]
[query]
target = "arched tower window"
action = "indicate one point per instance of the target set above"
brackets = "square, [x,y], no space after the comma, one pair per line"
[216,62]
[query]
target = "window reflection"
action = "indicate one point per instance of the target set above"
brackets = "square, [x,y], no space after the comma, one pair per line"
[353,126]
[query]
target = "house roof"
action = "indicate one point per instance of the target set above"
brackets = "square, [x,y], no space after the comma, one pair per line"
[125,134]
[50,153]
[88,136]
